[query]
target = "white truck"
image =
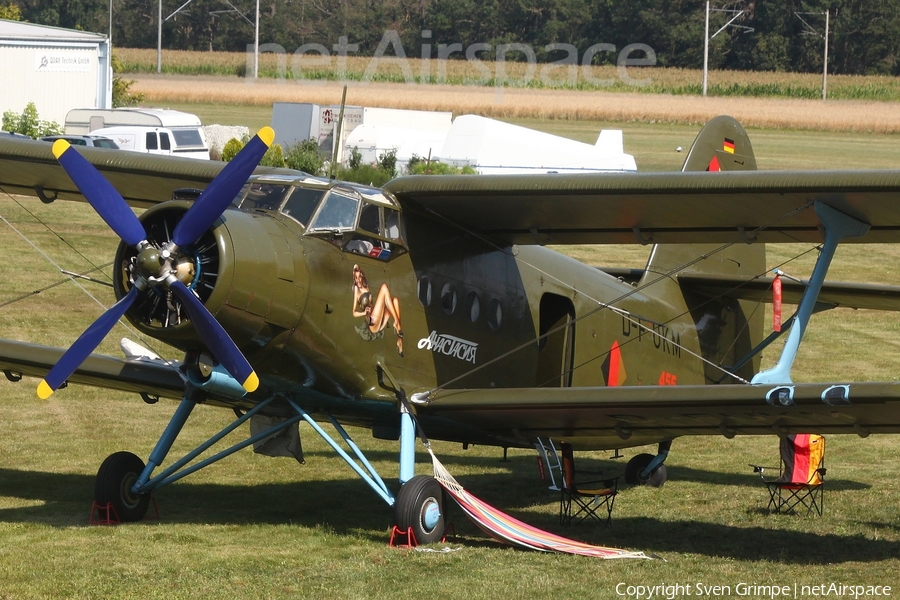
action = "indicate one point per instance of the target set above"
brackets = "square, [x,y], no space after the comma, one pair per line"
[151,130]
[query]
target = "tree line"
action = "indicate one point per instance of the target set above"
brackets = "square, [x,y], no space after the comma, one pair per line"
[770,35]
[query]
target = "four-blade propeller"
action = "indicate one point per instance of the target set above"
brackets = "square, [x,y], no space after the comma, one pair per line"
[154,266]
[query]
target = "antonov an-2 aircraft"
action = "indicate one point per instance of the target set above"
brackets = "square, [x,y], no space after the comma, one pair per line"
[432,302]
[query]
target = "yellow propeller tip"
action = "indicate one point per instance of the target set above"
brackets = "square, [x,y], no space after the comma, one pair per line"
[44,391]
[267,135]
[252,382]
[59,146]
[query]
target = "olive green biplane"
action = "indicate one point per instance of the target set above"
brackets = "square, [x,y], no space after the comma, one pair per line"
[434,302]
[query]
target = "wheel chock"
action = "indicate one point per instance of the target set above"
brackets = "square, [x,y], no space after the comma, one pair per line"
[155,510]
[397,535]
[106,514]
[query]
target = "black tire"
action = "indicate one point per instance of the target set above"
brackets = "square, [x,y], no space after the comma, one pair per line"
[637,464]
[634,467]
[116,476]
[416,504]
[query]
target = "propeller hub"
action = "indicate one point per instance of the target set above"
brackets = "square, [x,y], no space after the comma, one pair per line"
[149,263]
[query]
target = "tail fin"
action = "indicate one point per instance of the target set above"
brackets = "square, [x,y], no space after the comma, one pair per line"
[722,145]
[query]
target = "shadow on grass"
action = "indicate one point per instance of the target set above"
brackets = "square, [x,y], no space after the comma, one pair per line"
[753,543]
[348,508]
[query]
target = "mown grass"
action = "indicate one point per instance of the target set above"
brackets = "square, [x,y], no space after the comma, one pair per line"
[388,69]
[254,527]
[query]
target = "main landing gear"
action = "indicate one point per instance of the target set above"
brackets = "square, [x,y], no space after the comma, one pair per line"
[646,469]
[125,482]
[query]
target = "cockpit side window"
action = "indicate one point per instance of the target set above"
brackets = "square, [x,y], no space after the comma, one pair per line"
[391,224]
[338,211]
[378,233]
[369,219]
[302,204]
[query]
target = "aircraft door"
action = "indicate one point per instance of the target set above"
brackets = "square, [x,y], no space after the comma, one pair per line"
[556,347]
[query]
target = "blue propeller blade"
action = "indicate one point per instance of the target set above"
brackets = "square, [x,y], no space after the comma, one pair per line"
[216,338]
[100,193]
[84,345]
[219,194]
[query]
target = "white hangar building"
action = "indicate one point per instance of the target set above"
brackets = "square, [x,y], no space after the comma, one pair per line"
[57,69]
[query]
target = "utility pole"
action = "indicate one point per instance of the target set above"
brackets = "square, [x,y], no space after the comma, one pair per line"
[706,37]
[159,40]
[256,45]
[825,62]
[706,50]
[810,30]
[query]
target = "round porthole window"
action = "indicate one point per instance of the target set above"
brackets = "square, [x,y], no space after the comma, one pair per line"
[494,313]
[448,298]
[425,291]
[473,306]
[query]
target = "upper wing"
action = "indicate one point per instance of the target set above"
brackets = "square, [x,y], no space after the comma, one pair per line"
[28,167]
[627,208]
[618,417]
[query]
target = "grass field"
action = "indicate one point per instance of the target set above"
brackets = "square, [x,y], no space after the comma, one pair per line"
[255,527]
[519,103]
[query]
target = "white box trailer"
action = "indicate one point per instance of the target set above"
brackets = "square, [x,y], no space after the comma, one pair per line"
[154,130]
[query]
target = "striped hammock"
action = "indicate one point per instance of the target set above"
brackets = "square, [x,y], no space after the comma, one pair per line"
[504,528]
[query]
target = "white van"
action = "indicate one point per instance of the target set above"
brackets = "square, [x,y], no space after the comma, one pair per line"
[171,141]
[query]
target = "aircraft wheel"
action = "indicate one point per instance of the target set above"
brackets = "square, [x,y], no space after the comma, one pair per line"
[420,505]
[637,464]
[116,476]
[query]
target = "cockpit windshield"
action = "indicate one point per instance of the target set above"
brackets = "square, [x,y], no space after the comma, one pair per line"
[338,212]
[302,204]
[265,196]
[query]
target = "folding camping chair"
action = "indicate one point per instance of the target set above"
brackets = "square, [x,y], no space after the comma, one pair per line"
[548,461]
[801,481]
[586,499]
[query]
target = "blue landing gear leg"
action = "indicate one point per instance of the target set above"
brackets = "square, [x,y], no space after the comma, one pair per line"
[420,503]
[646,469]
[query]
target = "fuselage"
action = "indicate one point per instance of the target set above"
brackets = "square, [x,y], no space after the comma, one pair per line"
[340,299]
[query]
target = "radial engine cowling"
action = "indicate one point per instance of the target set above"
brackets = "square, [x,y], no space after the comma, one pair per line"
[248,271]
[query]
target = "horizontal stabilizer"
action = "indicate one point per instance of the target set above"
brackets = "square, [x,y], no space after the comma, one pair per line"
[759,289]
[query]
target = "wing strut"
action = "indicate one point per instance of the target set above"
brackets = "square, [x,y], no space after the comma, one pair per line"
[837,227]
